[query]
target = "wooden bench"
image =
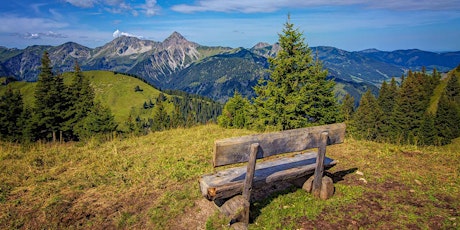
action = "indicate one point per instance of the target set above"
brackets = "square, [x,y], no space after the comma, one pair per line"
[241,180]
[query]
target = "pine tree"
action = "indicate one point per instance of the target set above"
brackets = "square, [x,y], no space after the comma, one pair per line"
[453,89]
[386,101]
[348,107]
[80,98]
[160,117]
[297,93]
[411,104]
[235,113]
[366,121]
[447,120]
[11,109]
[428,131]
[99,122]
[50,102]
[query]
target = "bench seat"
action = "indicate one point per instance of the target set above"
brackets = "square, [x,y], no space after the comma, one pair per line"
[227,183]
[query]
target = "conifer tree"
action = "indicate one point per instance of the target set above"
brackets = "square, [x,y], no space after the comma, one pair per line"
[11,109]
[386,101]
[348,107]
[453,89]
[411,104]
[50,101]
[366,121]
[297,93]
[428,132]
[235,113]
[447,120]
[176,118]
[99,122]
[81,101]
[160,117]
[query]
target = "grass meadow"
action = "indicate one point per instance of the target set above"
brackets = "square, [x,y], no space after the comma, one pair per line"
[151,182]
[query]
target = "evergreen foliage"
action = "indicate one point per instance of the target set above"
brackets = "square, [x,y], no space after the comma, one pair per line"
[81,101]
[99,122]
[235,113]
[11,111]
[297,93]
[367,119]
[386,102]
[50,102]
[348,107]
[404,114]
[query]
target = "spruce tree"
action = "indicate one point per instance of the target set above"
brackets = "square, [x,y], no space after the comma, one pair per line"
[80,99]
[366,121]
[160,117]
[428,131]
[297,93]
[386,101]
[348,107]
[99,122]
[44,115]
[411,104]
[11,109]
[235,113]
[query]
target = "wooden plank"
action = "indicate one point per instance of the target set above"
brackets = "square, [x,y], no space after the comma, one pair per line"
[319,170]
[250,172]
[237,149]
[229,182]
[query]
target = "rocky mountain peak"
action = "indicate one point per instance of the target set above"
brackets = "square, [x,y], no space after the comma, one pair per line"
[176,39]
[261,45]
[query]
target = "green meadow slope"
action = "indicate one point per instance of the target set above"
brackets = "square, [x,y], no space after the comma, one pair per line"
[115,91]
[151,182]
[438,91]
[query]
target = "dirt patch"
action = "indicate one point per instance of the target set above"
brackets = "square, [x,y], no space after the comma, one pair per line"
[196,216]
[376,209]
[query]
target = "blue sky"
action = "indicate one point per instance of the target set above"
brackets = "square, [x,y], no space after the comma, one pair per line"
[347,24]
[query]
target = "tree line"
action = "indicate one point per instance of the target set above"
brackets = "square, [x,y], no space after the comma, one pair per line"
[298,94]
[60,112]
[70,113]
[188,110]
[419,111]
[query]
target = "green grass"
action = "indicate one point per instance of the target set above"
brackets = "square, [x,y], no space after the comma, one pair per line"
[115,91]
[151,182]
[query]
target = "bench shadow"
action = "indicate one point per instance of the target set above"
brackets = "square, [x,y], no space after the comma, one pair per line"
[263,196]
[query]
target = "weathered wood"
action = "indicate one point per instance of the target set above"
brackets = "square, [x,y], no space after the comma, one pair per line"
[227,183]
[319,170]
[237,209]
[237,149]
[250,172]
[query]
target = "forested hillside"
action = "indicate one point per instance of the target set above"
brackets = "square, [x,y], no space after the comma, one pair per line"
[423,110]
[77,105]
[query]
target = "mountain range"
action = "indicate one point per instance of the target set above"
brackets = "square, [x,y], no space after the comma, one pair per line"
[216,72]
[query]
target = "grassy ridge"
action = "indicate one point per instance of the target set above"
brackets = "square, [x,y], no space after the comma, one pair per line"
[150,182]
[115,91]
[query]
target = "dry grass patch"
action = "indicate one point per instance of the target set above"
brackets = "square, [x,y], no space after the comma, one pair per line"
[151,182]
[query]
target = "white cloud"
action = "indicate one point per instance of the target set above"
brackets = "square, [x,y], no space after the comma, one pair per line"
[30,36]
[18,24]
[118,33]
[49,34]
[254,6]
[150,7]
[82,3]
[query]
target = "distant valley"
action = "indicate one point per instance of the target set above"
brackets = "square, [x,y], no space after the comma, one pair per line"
[216,72]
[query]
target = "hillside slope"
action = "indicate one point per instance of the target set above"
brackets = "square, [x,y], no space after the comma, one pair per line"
[150,182]
[116,91]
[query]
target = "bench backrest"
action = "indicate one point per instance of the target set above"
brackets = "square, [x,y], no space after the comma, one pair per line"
[237,149]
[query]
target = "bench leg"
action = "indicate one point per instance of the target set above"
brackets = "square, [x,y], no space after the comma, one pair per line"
[317,181]
[247,189]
